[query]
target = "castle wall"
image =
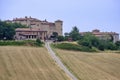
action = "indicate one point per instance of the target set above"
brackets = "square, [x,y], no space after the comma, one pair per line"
[42,25]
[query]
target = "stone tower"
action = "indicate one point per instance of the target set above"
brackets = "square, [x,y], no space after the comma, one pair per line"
[58,25]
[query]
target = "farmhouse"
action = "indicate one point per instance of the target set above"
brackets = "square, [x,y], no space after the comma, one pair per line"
[37,28]
[30,33]
[103,35]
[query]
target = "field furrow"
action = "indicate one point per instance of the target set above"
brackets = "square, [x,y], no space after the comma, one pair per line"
[28,63]
[91,66]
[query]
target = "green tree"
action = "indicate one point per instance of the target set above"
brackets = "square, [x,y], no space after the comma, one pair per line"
[7,30]
[74,34]
[66,34]
[54,35]
[89,40]
[101,47]
[111,38]
[60,38]
[18,25]
[117,44]
[38,42]
[111,46]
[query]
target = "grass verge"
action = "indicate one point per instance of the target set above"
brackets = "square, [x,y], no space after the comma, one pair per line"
[74,47]
[20,43]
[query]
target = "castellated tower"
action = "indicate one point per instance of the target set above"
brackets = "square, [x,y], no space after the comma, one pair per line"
[58,25]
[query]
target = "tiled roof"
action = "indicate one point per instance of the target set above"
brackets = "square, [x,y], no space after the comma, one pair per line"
[51,24]
[25,19]
[97,32]
[34,20]
[28,29]
[8,21]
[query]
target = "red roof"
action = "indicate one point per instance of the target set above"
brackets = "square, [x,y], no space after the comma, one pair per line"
[97,32]
[25,19]
[28,29]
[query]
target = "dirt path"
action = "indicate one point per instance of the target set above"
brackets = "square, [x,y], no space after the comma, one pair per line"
[58,61]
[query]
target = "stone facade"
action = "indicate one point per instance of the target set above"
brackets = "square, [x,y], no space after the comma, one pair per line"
[30,34]
[103,35]
[49,27]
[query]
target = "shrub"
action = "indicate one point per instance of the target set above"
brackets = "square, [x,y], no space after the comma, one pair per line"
[90,41]
[118,44]
[84,43]
[111,46]
[60,38]
[101,47]
[5,43]
[75,47]
[38,42]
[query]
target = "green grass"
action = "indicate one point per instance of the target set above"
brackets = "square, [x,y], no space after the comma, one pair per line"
[74,47]
[20,43]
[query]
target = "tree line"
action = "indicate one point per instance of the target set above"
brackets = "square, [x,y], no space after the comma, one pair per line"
[90,41]
[7,30]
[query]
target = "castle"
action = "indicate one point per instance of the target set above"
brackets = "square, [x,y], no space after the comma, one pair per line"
[37,28]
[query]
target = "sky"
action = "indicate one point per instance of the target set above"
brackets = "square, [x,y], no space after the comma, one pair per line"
[85,14]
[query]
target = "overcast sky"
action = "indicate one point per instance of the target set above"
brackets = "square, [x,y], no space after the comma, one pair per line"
[85,14]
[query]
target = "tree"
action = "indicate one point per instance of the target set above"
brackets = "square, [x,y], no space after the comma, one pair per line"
[111,38]
[54,35]
[89,40]
[60,38]
[117,44]
[111,46]
[84,43]
[66,34]
[7,30]
[74,34]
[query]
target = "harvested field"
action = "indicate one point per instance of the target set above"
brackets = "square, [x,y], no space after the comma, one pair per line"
[91,66]
[28,63]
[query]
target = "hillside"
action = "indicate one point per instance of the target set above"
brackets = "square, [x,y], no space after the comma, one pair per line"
[28,63]
[91,66]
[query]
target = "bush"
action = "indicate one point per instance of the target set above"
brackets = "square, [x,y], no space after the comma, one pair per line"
[118,44]
[101,47]
[75,47]
[111,46]
[60,38]
[38,42]
[90,41]
[84,43]
[67,46]
[5,43]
